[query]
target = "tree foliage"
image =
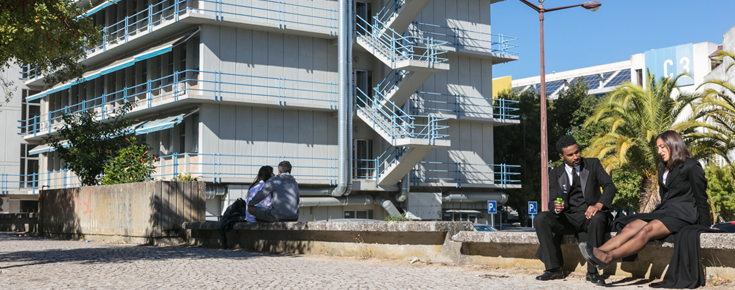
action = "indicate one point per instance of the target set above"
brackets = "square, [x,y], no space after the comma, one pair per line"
[520,144]
[91,143]
[721,191]
[133,163]
[47,35]
[634,116]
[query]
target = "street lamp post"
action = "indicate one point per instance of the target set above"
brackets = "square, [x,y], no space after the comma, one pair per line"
[592,6]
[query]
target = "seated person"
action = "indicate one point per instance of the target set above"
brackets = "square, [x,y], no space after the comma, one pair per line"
[265,173]
[284,193]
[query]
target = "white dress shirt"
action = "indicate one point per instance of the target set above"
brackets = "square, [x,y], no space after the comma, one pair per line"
[569,174]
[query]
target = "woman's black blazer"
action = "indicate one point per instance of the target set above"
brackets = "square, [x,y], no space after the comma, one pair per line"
[684,195]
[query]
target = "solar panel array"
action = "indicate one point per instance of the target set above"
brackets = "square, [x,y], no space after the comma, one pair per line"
[622,77]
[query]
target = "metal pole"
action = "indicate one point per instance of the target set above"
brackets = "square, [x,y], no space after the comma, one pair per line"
[492,220]
[544,141]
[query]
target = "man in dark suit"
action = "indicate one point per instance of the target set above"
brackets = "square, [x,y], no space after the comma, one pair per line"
[582,209]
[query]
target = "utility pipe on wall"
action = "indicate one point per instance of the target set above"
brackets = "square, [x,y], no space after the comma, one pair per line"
[405,189]
[335,201]
[500,197]
[344,181]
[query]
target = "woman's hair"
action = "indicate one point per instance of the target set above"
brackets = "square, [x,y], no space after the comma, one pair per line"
[677,149]
[264,173]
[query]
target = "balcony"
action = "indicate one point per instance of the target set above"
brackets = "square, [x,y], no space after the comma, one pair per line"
[193,86]
[216,168]
[498,47]
[441,174]
[465,107]
[252,14]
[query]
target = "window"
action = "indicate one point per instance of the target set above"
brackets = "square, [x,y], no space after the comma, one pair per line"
[359,214]
[639,74]
[182,61]
[195,134]
[182,137]
[362,155]
[29,110]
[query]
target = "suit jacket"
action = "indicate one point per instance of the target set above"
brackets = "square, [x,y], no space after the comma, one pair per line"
[684,195]
[592,177]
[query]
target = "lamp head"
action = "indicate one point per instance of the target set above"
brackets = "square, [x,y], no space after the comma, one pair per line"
[592,6]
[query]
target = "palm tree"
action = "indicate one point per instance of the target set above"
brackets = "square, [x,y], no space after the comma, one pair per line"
[717,109]
[635,116]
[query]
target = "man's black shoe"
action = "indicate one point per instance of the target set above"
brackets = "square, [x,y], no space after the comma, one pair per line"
[557,273]
[595,278]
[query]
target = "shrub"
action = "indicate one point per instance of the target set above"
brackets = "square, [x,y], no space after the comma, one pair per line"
[133,164]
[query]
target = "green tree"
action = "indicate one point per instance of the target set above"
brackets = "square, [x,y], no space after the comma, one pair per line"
[133,163]
[86,145]
[48,35]
[720,189]
[567,114]
[520,145]
[634,116]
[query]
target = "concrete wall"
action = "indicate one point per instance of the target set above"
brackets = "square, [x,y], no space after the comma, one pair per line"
[274,60]
[136,212]
[518,249]
[19,222]
[387,240]
[308,139]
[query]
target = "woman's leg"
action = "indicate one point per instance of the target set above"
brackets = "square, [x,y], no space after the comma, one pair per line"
[623,236]
[652,231]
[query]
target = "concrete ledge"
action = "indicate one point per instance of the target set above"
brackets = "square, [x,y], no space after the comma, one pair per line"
[340,226]
[518,249]
[19,222]
[392,240]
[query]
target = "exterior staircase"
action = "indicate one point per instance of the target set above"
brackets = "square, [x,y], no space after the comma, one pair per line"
[413,61]
[398,14]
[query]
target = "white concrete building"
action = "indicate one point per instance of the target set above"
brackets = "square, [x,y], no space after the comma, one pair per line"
[602,79]
[15,162]
[224,87]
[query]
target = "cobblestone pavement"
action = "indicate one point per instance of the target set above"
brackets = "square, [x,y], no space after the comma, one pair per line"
[39,263]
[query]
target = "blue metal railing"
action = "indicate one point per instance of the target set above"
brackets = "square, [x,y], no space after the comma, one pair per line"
[396,47]
[391,119]
[465,38]
[211,167]
[389,10]
[390,82]
[157,13]
[461,105]
[171,87]
[465,173]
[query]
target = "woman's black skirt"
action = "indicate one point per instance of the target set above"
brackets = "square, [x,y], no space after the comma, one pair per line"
[672,223]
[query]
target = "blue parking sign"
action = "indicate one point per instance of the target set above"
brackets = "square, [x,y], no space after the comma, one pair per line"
[492,206]
[532,207]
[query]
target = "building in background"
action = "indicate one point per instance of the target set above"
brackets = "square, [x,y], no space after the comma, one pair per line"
[602,79]
[222,88]
[15,162]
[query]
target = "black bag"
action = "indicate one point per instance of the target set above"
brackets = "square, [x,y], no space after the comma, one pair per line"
[230,217]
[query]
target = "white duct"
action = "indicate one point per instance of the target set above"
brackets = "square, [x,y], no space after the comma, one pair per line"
[335,201]
[500,197]
[388,206]
[405,189]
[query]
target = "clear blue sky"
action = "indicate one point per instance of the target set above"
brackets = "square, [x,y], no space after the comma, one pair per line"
[577,38]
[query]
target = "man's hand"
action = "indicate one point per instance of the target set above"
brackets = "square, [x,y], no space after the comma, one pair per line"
[558,206]
[592,210]
[251,210]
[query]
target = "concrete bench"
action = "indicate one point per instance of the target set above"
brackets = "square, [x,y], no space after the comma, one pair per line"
[518,249]
[392,240]
[19,222]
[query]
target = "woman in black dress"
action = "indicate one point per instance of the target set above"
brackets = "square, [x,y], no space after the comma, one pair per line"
[682,187]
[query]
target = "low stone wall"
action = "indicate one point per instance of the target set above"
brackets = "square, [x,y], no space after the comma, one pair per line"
[388,240]
[144,212]
[518,249]
[19,222]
